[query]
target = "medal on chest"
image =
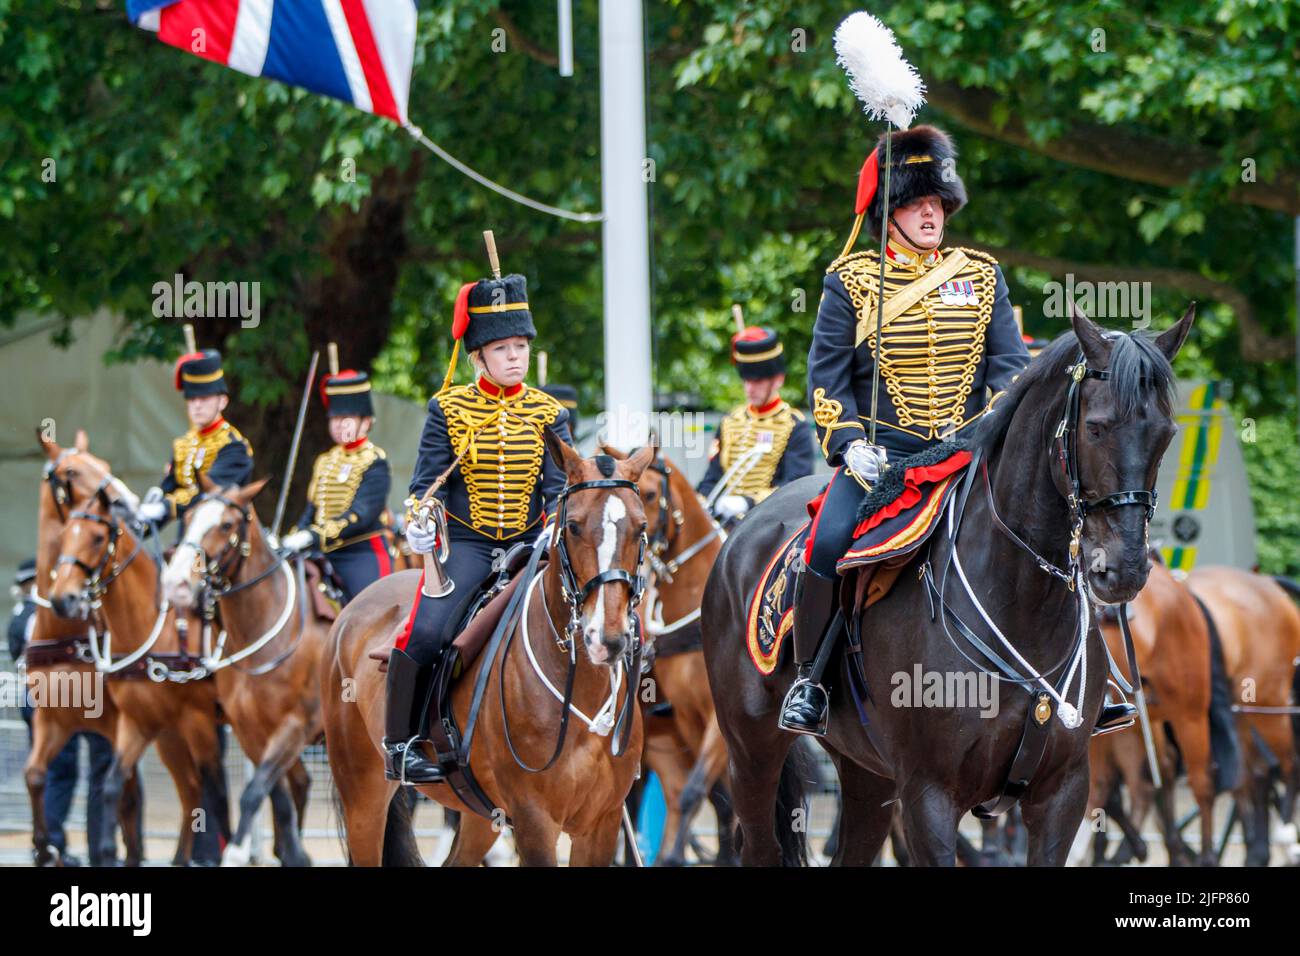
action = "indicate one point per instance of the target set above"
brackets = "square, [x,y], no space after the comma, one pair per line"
[958,292]
[199,454]
[345,469]
[764,439]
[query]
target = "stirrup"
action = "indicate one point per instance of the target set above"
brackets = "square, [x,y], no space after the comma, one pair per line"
[1100,730]
[401,751]
[815,730]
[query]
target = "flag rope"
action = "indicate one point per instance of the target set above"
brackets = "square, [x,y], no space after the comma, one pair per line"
[418,134]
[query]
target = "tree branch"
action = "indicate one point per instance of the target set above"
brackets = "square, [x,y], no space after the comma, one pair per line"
[1256,343]
[1120,152]
[518,37]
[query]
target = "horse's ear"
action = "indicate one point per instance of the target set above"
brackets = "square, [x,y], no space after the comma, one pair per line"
[1171,339]
[52,448]
[250,491]
[640,460]
[563,455]
[613,452]
[82,441]
[1095,347]
[208,486]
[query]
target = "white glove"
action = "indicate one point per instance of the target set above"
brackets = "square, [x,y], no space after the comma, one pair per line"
[865,460]
[153,507]
[731,506]
[421,538]
[299,540]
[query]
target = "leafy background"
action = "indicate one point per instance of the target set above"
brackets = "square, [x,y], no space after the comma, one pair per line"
[1103,138]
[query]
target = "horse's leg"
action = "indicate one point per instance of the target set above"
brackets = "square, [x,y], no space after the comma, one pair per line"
[49,736]
[757,753]
[128,747]
[198,725]
[1052,813]
[130,814]
[720,797]
[866,812]
[299,780]
[475,836]
[1193,738]
[285,812]
[671,763]
[708,768]
[597,847]
[276,756]
[535,836]
[930,820]
[174,751]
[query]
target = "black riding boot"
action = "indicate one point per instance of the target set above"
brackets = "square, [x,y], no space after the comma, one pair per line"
[1114,716]
[409,687]
[806,707]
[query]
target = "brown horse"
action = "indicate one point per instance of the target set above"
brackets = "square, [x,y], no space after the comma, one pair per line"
[582,791]
[1172,644]
[1260,629]
[57,660]
[267,671]
[684,543]
[102,561]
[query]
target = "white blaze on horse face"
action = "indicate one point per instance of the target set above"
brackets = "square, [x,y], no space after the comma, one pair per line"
[177,577]
[615,512]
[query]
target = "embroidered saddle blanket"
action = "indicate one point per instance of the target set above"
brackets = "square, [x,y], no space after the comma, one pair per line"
[901,511]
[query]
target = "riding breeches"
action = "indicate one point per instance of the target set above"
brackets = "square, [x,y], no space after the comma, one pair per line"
[832,530]
[429,627]
[361,564]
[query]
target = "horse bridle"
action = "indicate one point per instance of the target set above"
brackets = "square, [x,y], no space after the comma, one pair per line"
[219,571]
[95,585]
[664,566]
[1065,443]
[575,596]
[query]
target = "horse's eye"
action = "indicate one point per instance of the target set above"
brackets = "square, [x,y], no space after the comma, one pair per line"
[574,528]
[97,539]
[1096,430]
[226,526]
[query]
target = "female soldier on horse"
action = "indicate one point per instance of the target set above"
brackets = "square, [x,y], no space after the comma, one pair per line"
[487,438]
[345,515]
[948,335]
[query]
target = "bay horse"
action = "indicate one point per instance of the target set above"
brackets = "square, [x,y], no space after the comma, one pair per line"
[1260,629]
[599,534]
[690,758]
[102,563]
[1171,641]
[267,666]
[57,657]
[1079,506]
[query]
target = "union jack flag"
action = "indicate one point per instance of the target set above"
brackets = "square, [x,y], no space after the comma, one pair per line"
[358,51]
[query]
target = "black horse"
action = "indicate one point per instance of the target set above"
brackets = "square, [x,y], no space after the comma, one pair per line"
[1054,487]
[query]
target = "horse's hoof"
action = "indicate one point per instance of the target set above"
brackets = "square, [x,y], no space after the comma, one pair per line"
[235,855]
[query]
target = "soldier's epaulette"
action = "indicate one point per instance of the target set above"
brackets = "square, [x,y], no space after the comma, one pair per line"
[974,254]
[379,452]
[868,254]
[798,415]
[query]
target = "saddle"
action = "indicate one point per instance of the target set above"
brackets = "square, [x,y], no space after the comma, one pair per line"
[474,624]
[325,588]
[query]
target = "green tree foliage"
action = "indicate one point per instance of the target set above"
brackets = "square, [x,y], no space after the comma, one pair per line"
[1093,135]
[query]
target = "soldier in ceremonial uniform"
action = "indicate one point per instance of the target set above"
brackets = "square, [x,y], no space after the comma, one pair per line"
[501,487]
[345,517]
[949,338]
[211,447]
[765,422]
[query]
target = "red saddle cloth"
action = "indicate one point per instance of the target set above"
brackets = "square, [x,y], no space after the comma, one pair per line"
[902,511]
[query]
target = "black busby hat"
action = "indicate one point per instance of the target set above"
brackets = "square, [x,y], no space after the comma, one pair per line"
[493,309]
[922,163]
[347,393]
[567,396]
[757,353]
[26,572]
[199,373]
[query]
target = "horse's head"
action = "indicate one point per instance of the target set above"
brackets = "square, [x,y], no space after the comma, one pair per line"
[73,476]
[662,513]
[600,535]
[217,532]
[1124,423]
[87,554]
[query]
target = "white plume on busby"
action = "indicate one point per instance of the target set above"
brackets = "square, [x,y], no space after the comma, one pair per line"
[888,86]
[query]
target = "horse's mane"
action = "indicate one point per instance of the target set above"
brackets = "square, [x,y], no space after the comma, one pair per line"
[1138,370]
